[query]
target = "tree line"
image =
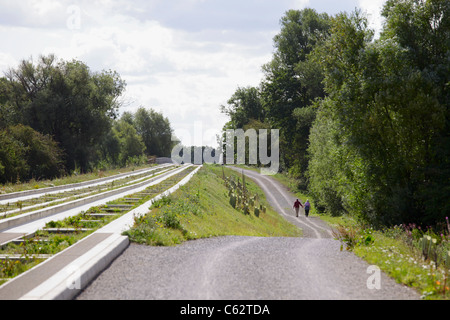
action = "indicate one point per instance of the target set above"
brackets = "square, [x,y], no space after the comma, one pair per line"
[364,121]
[58,117]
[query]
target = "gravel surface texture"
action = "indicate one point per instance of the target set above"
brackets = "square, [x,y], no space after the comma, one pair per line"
[248,268]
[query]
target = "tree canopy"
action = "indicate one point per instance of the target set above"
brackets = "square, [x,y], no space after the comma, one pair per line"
[364,122]
[58,116]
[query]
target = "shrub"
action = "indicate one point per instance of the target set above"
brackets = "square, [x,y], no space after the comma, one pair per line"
[26,154]
[43,155]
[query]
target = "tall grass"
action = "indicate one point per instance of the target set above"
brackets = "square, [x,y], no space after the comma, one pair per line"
[202,209]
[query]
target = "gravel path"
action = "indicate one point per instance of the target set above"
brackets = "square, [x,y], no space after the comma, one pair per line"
[247,268]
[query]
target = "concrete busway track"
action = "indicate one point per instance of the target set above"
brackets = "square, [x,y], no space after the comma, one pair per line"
[73,192]
[36,193]
[9,226]
[17,220]
[63,275]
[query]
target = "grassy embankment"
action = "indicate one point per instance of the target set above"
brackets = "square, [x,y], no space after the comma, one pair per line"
[202,209]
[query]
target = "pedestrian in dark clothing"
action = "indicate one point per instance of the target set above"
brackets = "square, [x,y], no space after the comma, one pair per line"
[297,205]
[307,207]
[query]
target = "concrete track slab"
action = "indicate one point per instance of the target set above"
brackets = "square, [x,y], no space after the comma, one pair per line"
[64,275]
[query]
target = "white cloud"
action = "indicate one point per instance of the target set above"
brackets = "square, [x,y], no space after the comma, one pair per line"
[373,10]
[6,61]
[300,4]
[183,58]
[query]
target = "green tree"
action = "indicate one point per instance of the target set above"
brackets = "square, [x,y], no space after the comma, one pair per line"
[388,112]
[13,165]
[155,130]
[329,163]
[292,81]
[26,154]
[8,114]
[109,149]
[422,30]
[244,106]
[67,101]
[130,143]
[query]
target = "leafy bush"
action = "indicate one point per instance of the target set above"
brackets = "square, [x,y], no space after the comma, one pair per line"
[161,202]
[12,163]
[42,153]
[353,236]
[26,153]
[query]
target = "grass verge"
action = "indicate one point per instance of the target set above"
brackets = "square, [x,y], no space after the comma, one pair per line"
[201,209]
[398,251]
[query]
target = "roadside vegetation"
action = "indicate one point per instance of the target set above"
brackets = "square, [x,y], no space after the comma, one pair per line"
[414,256]
[362,117]
[202,209]
[364,130]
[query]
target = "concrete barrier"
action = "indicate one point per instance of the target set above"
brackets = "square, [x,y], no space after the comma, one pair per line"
[39,214]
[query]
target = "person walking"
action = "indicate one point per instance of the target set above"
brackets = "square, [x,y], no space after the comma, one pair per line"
[307,207]
[297,205]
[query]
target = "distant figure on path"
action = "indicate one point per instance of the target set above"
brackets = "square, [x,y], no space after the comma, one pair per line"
[307,207]
[297,205]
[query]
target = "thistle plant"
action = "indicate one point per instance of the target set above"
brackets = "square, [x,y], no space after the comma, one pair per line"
[447,260]
[240,198]
[256,211]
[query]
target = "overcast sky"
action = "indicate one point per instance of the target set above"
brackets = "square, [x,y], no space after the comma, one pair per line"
[183,58]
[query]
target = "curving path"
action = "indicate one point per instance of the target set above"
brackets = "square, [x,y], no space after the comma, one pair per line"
[247,268]
[282,200]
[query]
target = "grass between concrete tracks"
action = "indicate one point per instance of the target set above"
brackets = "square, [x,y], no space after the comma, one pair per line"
[74,177]
[25,255]
[201,209]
